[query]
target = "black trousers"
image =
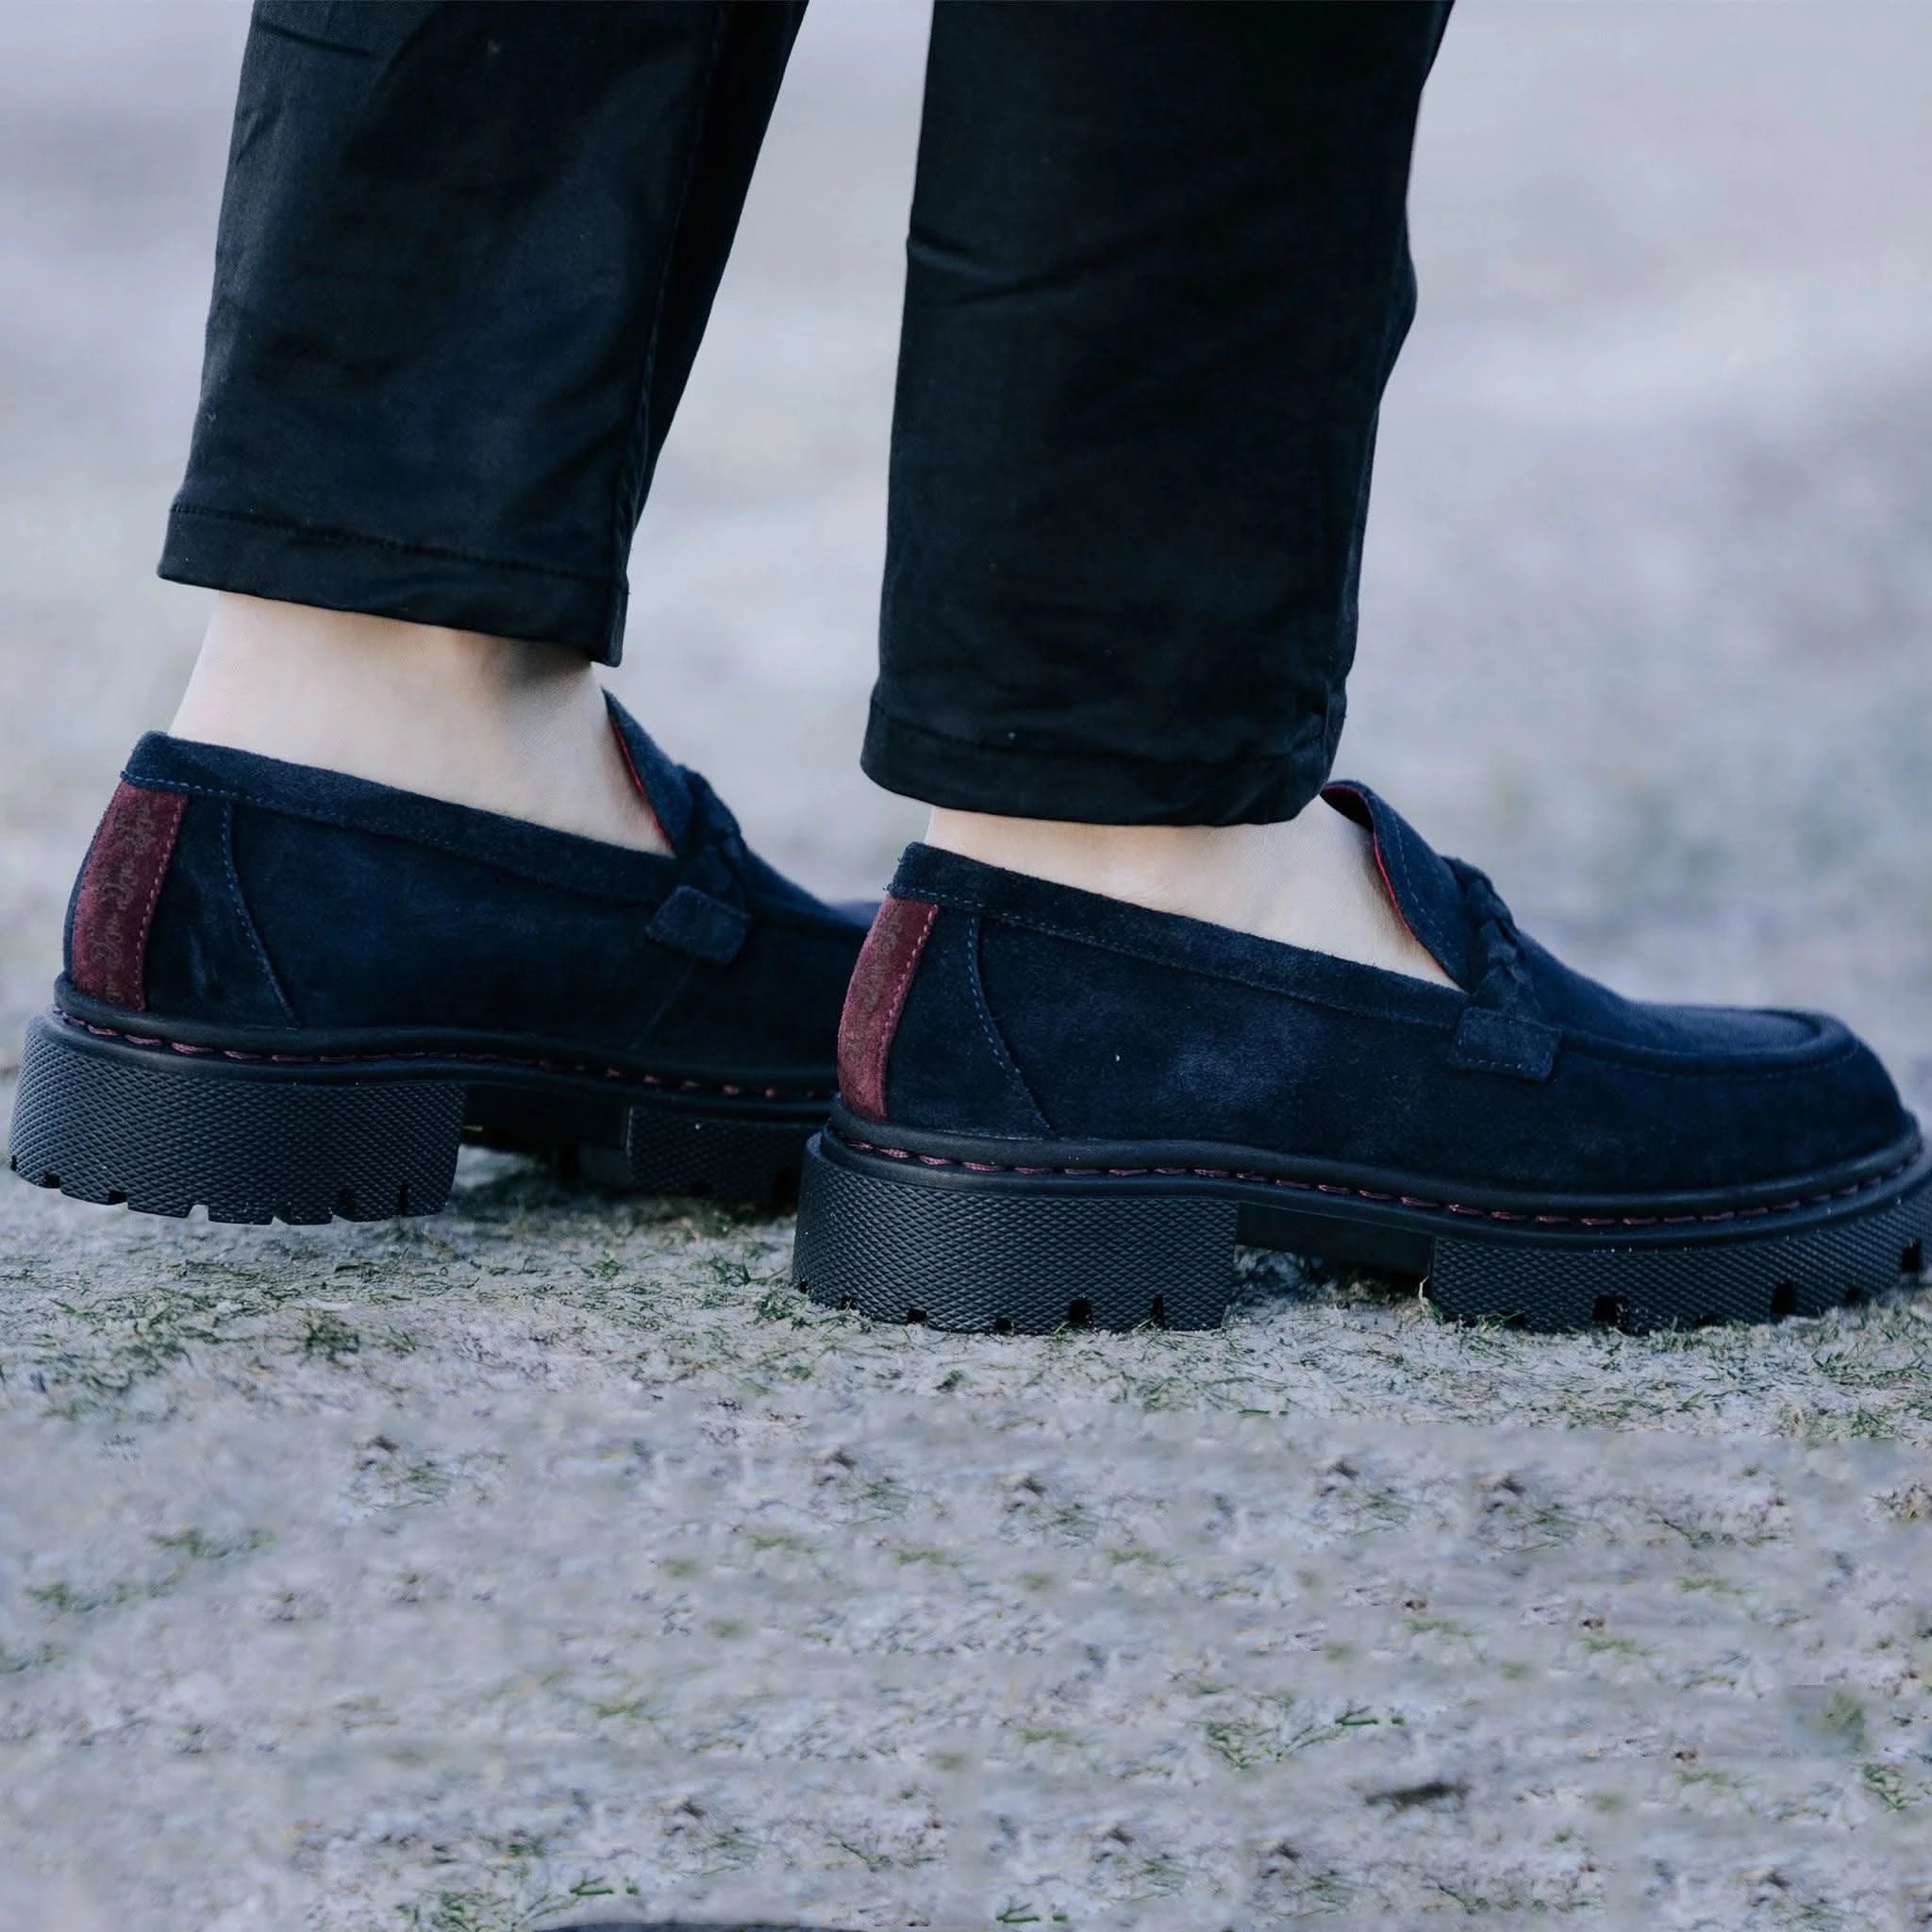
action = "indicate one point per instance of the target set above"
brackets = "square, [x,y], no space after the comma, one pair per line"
[1156,276]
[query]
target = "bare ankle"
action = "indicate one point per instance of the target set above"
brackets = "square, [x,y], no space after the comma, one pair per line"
[1309,881]
[494,723]
[1149,865]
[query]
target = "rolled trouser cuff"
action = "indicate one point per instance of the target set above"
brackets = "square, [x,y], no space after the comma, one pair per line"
[343,570]
[1101,788]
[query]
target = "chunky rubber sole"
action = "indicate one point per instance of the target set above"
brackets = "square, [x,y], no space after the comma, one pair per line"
[164,1127]
[1027,1246]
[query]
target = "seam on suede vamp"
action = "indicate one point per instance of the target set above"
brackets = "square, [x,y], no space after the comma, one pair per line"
[613,894]
[1002,1052]
[1663,1061]
[668,868]
[245,919]
[1443,1022]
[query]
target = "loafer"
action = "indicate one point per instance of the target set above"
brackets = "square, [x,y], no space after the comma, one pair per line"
[1056,1108]
[288,994]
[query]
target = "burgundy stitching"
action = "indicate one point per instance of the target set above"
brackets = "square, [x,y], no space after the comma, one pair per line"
[734,1090]
[895,1003]
[147,917]
[870,1049]
[1435,940]
[631,765]
[1221,1174]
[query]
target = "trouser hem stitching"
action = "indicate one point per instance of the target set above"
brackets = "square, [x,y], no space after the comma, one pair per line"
[317,533]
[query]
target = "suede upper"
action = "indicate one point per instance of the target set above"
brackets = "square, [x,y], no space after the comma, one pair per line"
[1038,1012]
[298,900]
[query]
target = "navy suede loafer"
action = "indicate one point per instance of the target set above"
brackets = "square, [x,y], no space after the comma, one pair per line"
[1059,1108]
[291,993]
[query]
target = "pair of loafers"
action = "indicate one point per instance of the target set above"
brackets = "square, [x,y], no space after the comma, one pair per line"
[1006,1105]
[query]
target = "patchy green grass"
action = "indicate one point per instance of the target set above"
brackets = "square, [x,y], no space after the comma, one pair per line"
[559,1535]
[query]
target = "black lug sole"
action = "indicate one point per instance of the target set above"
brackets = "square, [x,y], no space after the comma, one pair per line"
[1029,1249]
[258,1139]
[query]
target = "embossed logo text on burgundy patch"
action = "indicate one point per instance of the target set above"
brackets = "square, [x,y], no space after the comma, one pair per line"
[118,887]
[876,999]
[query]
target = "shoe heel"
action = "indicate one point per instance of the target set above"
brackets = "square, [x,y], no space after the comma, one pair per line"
[1007,1253]
[665,1152]
[106,1122]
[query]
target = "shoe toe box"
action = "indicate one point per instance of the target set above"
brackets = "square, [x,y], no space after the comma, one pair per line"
[1756,1096]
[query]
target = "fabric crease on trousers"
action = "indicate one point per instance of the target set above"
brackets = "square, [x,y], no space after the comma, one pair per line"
[1157,276]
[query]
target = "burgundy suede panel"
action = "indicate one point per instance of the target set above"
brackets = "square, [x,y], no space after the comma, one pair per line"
[875,1000]
[114,908]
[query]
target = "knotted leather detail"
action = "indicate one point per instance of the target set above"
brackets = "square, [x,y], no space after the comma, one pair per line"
[1502,1029]
[707,916]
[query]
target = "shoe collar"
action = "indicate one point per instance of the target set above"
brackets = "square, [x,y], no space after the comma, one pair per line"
[1428,891]
[663,785]
[1452,910]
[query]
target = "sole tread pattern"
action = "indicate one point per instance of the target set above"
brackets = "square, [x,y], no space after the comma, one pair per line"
[119,1124]
[1009,1252]
[1014,1263]
[115,1131]
[1637,1289]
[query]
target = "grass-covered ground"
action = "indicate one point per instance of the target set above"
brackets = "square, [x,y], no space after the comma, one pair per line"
[553,1552]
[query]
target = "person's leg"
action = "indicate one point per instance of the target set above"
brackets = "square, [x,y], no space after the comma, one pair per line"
[496,722]
[1158,277]
[466,256]
[1159,274]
